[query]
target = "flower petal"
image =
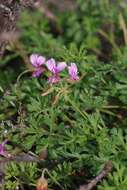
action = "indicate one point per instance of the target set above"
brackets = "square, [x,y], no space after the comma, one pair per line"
[61,66]
[3,150]
[73,71]
[38,72]
[33,59]
[41,60]
[37,60]
[53,79]
[51,65]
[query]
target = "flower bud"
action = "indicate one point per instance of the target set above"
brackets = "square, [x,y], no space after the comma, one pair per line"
[42,184]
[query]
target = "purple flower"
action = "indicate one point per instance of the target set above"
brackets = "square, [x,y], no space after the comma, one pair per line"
[73,71]
[54,79]
[54,67]
[38,72]
[3,150]
[37,61]
[55,70]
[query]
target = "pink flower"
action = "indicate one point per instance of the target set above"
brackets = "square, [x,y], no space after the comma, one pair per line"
[37,61]
[55,69]
[3,150]
[37,72]
[54,79]
[73,71]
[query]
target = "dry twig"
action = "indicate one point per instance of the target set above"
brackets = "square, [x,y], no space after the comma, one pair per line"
[106,170]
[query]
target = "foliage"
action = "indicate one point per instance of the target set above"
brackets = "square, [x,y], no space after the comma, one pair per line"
[80,125]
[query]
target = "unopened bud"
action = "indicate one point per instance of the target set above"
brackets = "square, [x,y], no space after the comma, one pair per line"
[42,184]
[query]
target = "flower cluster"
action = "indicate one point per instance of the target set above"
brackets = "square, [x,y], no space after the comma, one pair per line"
[39,62]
